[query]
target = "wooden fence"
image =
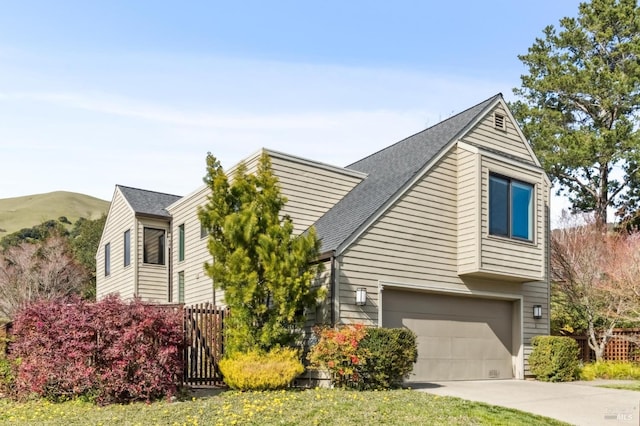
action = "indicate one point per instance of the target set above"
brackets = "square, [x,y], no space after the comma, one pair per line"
[204,344]
[623,346]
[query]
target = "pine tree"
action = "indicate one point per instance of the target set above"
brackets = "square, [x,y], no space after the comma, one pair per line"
[580,104]
[266,272]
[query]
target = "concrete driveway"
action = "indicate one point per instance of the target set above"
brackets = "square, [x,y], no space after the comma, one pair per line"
[578,403]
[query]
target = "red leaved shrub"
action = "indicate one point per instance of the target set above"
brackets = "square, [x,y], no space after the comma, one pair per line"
[110,351]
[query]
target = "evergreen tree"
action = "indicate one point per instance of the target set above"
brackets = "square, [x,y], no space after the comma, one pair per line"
[579,106]
[84,239]
[265,271]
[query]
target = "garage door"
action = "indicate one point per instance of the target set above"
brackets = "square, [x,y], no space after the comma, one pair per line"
[459,338]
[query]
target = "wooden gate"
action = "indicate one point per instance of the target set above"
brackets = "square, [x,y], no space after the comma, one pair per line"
[204,345]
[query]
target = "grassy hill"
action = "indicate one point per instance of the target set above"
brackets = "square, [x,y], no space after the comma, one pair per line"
[25,212]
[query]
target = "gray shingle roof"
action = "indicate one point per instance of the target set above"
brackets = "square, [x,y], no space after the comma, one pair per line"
[148,202]
[389,170]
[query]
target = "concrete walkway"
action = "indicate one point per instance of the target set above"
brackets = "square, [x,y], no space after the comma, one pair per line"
[578,403]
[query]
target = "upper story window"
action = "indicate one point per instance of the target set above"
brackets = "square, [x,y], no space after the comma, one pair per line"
[107,259]
[510,208]
[153,249]
[127,247]
[181,242]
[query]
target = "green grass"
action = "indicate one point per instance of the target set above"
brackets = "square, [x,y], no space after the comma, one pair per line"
[624,386]
[311,407]
[25,212]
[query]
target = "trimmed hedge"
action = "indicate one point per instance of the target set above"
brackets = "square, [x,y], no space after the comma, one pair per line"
[109,351]
[554,358]
[365,358]
[259,371]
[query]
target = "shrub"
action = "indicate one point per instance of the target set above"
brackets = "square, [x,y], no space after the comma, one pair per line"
[256,370]
[554,358]
[7,376]
[139,351]
[365,358]
[110,351]
[620,370]
[391,353]
[337,352]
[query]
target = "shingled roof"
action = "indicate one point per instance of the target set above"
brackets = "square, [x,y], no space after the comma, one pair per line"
[148,202]
[389,171]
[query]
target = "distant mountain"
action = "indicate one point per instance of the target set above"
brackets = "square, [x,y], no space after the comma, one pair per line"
[25,212]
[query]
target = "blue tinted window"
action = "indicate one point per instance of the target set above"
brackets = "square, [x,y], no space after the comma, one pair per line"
[510,208]
[521,210]
[498,201]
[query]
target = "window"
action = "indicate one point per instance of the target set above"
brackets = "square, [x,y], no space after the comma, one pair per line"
[181,242]
[153,250]
[107,259]
[127,247]
[204,232]
[181,287]
[510,208]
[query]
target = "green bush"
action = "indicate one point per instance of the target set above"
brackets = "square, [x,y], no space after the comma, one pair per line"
[365,358]
[611,370]
[554,358]
[256,370]
[7,376]
[391,353]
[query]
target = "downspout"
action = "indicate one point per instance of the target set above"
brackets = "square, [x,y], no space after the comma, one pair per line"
[335,290]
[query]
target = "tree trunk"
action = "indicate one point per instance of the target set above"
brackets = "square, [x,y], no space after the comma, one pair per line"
[602,201]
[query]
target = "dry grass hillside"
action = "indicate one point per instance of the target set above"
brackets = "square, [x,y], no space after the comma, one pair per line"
[25,212]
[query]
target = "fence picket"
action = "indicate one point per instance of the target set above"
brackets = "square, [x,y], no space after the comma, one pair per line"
[203,328]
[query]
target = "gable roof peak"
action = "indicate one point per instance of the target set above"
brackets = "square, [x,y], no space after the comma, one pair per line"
[389,172]
[147,202]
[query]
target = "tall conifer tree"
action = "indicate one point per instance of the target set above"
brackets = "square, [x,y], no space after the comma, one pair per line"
[266,273]
[579,106]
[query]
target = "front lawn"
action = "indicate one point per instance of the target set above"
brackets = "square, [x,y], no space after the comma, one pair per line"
[311,407]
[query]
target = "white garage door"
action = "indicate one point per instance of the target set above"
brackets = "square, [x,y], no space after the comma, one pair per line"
[459,338]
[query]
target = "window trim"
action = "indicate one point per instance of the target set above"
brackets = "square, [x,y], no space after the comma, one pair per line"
[163,259]
[127,247]
[181,242]
[107,259]
[509,234]
[181,282]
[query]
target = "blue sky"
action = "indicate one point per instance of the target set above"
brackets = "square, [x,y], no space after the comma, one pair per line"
[94,94]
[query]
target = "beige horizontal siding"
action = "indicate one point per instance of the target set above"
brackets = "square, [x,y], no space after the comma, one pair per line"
[153,280]
[508,142]
[198,287]
[414,241]
[310,190]
[121,280]
[468,226]
[434,231]
[504,255]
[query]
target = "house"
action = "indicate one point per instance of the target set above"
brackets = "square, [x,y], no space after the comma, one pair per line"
[444,232]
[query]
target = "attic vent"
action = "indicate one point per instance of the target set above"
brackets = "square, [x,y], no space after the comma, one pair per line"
[499,121]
